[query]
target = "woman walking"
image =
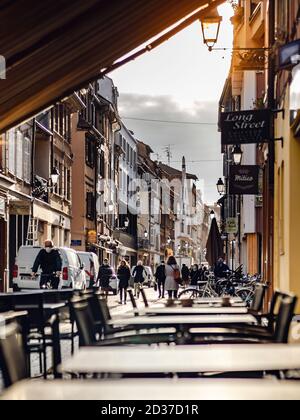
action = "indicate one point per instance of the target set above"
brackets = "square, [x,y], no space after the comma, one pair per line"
[172,277]
[138,273]
[124,277]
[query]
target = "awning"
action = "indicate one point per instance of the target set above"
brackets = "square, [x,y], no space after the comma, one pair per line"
[53,48]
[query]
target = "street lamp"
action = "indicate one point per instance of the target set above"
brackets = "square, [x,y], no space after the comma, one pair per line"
[212,215]
[169,241]
[211,28]
[126,223]
[146,234]
[111,207]
[237,154]
[221,186]
[54,176]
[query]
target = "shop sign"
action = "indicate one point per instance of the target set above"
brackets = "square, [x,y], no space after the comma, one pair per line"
[246,127]
[92,237]
[295,100]
[76,242]
[244,180]
[232,225]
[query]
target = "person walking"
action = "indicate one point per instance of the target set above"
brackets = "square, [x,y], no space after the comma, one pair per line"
[138,274]
[50,261]
[172,272]
[124,275]
[104,276]
[185,274]
[160,276]
[195,275]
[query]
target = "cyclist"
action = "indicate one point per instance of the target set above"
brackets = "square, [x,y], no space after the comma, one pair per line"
[50,262]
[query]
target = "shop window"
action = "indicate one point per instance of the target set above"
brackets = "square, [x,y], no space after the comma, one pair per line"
[90,152]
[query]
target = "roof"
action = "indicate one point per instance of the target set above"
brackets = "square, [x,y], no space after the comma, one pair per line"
[53,48]
[175,173]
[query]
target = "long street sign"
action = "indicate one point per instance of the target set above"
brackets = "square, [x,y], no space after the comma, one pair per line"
[246,127]
[244,180]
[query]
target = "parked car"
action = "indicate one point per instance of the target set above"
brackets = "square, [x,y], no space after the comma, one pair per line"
[73,273]
[149,279]
[91,266]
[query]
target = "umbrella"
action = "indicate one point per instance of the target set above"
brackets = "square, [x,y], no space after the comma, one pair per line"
[214,246]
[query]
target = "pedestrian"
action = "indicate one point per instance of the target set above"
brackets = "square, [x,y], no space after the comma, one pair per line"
[172,272]
[185,274]
[138,274]
[124,277]
[104,276]
[50,261]
[160,276]
[221,269]
[195,275]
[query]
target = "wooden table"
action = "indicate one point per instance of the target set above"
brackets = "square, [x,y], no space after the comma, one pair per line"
[185,321]
[155,390]
[177,310]
[184,359]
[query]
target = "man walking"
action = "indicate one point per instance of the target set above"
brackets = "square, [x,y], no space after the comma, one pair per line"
[160,276]
[50,262]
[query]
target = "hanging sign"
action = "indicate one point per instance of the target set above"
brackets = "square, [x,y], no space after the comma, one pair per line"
[244,180]
[289,54]
[246,127]
[232,225]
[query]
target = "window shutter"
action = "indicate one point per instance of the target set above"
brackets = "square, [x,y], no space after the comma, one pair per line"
[19,152]
[11,151]
[27,159]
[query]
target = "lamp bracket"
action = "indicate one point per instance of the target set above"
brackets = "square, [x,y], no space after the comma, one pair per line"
[279,111]
[279,139]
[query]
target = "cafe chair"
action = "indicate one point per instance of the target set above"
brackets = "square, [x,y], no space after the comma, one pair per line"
[238,336]
[12,355]
[88,333]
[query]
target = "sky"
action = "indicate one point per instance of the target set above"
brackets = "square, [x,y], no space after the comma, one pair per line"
[180,82]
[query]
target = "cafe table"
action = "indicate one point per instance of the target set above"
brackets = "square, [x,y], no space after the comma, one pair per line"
[184,359]
[183,322]
[195,310]
[155,390]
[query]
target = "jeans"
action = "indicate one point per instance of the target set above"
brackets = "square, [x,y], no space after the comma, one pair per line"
[137,287]
[161,287]
[172,294]
[123,291]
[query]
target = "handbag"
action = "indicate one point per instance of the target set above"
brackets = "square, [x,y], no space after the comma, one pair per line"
[177,275]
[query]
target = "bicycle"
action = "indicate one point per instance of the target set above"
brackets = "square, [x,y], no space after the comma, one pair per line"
[49,281]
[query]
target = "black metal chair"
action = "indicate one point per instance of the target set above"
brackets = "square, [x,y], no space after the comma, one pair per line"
[248,335]
[12,355]
[258,300]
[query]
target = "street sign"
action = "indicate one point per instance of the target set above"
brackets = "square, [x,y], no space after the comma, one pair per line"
[76,242]
[244,180]
[246,127]
[232,225]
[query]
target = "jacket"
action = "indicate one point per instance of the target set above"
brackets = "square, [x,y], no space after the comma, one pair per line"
[124,277]
[160,274]
[49,262]
[185,273]
[105,274]
[195,277]
[138,274]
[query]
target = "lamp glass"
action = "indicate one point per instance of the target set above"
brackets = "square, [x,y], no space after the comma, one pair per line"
[221,187]
[111,207]
[146,234]
[211,28]
[54,176]
[237,154]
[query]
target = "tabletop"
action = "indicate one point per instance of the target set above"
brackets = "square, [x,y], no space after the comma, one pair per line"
[156,390]
[196,311]
[187,359]
[185,320]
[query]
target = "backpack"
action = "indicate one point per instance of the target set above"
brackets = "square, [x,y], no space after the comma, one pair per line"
[177,276]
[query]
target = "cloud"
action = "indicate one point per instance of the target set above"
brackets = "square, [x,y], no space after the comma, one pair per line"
[200,144]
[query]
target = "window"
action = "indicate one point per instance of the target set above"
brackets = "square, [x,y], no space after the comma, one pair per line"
[90,205]
[27,159]
[90,152]
[253,6]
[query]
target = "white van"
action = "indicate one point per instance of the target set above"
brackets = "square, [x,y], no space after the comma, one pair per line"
[73,274]
[91,266]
